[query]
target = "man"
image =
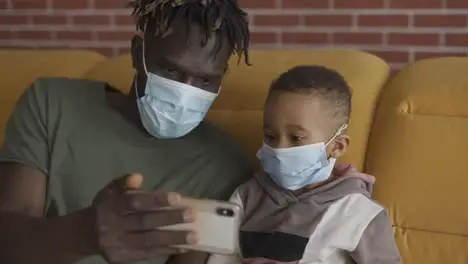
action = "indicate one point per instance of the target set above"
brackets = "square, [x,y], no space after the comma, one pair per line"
[68,191]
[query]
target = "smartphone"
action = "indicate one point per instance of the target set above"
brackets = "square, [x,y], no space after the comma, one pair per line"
[217,226]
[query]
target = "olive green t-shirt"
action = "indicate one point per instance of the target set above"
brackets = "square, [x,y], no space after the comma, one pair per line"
[67,129]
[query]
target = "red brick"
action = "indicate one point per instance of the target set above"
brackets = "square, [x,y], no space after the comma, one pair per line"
[125,20]
[4,34]
[440,20]
[257,3]
[358,4]
[13,20]
[383,20]
[427,55]
[29,4]
[457,4]
[263,37]
[34,35]
[70,4]
[49,20]
[3,4]
[288,4]
[276,20]
[121,51]
[328,20]
[304,38]
[457,40]
[115,35]
[91,20]
[357,38]
[416,4]
[413,39]
[74,35]
[105,4]
[392,56]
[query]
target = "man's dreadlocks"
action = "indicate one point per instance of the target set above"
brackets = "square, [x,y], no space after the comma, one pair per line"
[214,16]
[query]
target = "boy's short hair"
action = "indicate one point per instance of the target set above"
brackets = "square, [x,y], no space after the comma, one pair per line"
[321,81]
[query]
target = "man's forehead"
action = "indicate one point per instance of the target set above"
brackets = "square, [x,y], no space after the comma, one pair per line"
[189,49]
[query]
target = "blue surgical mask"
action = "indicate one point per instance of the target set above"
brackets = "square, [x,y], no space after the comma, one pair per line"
[296,167]
[171,109]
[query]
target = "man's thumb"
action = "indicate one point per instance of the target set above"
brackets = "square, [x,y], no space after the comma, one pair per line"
[133,181]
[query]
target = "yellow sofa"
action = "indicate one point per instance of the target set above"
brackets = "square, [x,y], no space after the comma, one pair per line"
[408,131]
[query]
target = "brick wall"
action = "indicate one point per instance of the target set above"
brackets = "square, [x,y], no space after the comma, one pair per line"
[400,31]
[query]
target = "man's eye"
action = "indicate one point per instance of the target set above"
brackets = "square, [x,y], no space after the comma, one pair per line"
[206,82]
[171,71]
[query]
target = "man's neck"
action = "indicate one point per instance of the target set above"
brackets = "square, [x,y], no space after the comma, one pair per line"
[126,104]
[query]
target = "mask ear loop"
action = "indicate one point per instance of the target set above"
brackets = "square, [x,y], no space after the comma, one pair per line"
[339,132]
[143,55]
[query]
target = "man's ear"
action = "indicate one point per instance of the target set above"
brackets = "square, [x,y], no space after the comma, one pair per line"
[340,146]
[137,53]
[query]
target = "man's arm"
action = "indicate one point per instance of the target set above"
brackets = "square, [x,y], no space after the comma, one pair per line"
[25,235]
[377,244]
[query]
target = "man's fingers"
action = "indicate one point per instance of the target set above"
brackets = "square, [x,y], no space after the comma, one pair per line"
[138,201]
[157,239]
[153,220]
[123,256]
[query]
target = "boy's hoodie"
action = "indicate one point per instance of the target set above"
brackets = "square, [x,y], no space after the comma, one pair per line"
[318,225]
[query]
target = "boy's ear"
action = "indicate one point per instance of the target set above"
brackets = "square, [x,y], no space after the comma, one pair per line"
[340,146]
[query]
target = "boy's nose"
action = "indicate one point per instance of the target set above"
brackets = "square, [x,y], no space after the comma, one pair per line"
[282,143]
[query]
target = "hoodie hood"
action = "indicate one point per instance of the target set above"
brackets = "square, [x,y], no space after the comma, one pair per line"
[346,180]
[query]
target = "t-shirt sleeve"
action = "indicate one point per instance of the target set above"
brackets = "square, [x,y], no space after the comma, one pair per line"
[377,244]
[26,131]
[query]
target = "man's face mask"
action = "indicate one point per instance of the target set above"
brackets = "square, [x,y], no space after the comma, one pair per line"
[170,109]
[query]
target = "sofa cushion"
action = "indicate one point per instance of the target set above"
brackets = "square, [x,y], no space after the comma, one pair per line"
[418,152]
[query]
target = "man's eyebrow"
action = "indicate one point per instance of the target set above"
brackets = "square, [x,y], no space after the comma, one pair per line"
[168,63]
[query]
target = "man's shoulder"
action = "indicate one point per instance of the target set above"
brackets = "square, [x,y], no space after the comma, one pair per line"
[62,87]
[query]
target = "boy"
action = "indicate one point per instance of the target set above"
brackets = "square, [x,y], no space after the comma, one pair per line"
[302,208]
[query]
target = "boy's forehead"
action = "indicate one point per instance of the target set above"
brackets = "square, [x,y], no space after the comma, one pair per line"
[297,109]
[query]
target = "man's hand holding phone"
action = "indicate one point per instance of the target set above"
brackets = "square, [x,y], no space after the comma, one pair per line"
[127,221]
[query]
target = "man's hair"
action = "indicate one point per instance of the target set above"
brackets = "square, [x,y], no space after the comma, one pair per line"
[213,16]
[321,81]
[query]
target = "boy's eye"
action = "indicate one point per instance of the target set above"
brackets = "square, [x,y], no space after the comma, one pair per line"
[297,138]
[268,137]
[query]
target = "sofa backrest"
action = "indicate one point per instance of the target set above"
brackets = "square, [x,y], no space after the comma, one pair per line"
[21,68]
[239,106]
[418,151]
[238,109]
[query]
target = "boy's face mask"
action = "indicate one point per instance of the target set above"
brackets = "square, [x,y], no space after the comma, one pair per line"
[171,109]
[296,167]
